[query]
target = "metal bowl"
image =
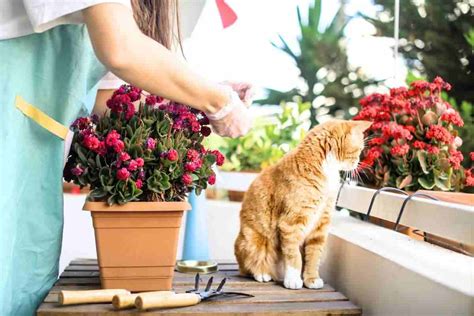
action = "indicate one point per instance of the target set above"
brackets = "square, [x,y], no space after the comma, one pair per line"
[195,266]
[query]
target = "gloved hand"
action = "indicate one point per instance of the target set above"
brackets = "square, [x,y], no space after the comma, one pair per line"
[243,89]
[234,119]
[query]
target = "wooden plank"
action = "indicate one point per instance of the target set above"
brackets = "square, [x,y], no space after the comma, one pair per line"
[300,308]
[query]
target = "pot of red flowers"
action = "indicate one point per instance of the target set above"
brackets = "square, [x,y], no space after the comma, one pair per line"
[413,143]
[140,165]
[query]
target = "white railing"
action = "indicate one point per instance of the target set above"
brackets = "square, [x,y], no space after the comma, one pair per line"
[449,220]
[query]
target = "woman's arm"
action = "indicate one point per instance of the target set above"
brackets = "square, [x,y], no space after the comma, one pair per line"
[127,52]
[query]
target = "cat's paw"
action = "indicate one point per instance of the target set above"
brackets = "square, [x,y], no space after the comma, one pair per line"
[314,283]
[293,279]
[262,277]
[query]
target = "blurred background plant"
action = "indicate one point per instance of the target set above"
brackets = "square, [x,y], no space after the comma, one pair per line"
[269,140]
[328,82]
[436,39]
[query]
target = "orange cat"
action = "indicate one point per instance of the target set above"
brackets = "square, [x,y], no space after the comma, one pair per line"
[286,211]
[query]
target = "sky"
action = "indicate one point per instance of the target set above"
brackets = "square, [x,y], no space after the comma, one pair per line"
[243,51]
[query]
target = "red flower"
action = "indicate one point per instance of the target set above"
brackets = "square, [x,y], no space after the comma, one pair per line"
[205,131]
[150,100]
[439,133]
[101,149]
[451,116]
[471,155]
[433,150]
[212,179]
[418,144]
[192,166]
[469,177]
[400,150]
[150,143]
[219,157]
[172,155]
[112,138]
[123,174]
[140,162]
[132,165]
[455,158]
[192,155]
[139,183]
[187,179]
[377,141]
[119,146]
[90,142]
[123,156]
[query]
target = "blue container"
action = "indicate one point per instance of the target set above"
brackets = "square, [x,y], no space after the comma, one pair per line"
[196,241]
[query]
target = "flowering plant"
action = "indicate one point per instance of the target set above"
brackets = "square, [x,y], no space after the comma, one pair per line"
[153,154]
[413,142]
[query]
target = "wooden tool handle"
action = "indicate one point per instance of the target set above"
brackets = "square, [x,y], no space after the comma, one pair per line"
[162,301]
[90,296]
[124,301]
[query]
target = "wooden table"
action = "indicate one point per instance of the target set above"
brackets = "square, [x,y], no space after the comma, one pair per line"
[270,298]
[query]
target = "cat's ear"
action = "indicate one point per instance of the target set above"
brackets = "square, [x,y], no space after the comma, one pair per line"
[360,126]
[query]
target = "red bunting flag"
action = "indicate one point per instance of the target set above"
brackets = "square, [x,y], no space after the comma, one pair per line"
[228,15]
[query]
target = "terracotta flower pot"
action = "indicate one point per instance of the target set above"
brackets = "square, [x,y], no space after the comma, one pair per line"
[137,243]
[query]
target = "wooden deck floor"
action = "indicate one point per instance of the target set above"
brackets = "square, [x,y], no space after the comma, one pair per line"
[270,298]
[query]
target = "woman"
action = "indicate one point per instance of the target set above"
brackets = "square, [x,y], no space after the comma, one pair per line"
[52,55]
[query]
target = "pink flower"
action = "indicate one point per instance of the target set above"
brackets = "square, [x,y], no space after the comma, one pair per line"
[119,146]
[192,155]
[123,156]
[91,142]
[150,143]
[172,155]
[212,179]
[77,170]
[132,165]
[140,162]
[123,174]
[195,126]
[471,155]
[187,179]
[139,183]
[112,138]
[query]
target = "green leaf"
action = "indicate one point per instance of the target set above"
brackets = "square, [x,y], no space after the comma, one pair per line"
[421,154]
[426,183]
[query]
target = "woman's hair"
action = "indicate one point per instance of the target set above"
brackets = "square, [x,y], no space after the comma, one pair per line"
[158,19]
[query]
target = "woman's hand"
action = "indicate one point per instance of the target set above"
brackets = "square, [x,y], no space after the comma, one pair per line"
[243,89]
[234,119]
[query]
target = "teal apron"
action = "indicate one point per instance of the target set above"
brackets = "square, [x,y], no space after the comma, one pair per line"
[57,72]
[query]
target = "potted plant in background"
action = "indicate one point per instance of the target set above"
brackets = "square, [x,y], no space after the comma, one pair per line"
[414,145]
[269,140]
[140,165]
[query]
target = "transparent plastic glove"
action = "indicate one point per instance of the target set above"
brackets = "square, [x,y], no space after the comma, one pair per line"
[233,120]
[244,90]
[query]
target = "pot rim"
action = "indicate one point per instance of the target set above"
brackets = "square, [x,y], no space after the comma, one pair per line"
[137,207]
